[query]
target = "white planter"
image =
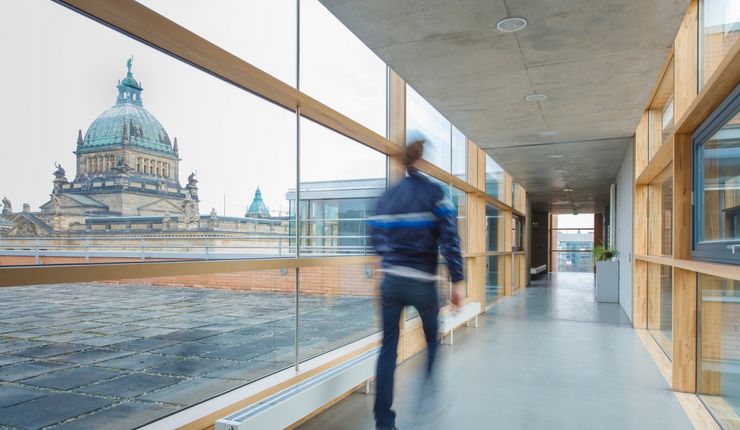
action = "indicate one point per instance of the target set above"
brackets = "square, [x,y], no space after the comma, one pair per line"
[607,281]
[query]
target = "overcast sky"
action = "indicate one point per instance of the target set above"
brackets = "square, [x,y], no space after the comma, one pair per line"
[60,70]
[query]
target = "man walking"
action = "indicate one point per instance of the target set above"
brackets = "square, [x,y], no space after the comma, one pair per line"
[414,222]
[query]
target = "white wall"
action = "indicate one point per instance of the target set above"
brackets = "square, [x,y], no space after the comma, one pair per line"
[625,191]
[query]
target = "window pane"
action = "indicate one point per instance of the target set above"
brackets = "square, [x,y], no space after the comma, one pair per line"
[341,181]
[495,181]
[424,118]
[660,211]
[719,30]
[459,154]
[339,70]
[337,307]
[660,306]
[719,319]
[173,341]
[494,277]
[516,232]
[494,229]
[459,199]
[720,159]
[261,32]
[165,169]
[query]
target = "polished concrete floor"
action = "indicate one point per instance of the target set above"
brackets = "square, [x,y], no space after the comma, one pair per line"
[546,358]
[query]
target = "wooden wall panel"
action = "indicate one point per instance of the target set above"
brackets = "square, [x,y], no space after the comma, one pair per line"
[639,294]
[682,153]
[684,330]
[641,144]
[686,62]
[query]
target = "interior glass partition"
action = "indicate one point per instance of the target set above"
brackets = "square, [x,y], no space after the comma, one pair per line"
[660,213]
[495,179]
[495,266]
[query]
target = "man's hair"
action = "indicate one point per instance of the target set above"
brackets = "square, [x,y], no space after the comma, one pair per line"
[413,151]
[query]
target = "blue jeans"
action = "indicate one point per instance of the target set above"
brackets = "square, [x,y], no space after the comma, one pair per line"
[396,293]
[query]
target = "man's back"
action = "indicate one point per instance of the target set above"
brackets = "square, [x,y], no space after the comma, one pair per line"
[414,221]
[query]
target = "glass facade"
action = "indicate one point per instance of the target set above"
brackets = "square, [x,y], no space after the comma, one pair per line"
[339,70]
[422,117]
[717,172]
[719,29]
[660,213]
[718,382]
[337,197]
[192,167]
[660,306]
[494,229]
[495,179]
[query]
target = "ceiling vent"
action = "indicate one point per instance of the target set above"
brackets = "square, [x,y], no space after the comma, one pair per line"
[536,97]
[511,24]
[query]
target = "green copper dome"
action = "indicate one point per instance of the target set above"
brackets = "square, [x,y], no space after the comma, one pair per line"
[126,123]
[257,209]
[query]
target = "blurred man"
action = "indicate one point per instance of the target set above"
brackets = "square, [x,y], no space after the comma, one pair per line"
[414,222]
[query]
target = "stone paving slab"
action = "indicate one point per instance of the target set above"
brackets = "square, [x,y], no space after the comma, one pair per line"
[193,391]
[11,395]
[129,385]
[124,416]
[125,347]
[16,372]
[90,356]
[71,378]
[49,410]
[191,367]
[138,362]
[49,350]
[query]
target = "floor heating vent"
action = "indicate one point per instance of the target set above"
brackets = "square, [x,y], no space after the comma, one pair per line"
[292,404]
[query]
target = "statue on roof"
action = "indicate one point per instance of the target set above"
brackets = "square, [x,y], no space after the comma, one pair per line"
[129,63]
[60,172]
[7,207]
[191,179]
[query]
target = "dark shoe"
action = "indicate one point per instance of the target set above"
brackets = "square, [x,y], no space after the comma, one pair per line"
[386,428]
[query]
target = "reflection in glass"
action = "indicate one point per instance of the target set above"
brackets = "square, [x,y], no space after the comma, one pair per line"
[495,182]
[718,379]
[261,32]
[459,199]
[494,278]
[341,181]
[338,69]
[423,117]
[720,157]
[719,22]
[175,340]
[459,154]
[151,157]
[337,306]
[660,306]
[494,229]
[660,212]
[516,233]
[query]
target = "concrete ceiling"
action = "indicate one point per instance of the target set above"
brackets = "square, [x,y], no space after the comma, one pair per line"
[597,60]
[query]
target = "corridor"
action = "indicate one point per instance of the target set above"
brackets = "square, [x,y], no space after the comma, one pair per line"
[549,357]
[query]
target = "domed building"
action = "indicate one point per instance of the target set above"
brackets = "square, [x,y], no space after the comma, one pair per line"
[126,165]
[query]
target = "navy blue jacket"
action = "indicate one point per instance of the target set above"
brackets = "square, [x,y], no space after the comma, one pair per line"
[414,222]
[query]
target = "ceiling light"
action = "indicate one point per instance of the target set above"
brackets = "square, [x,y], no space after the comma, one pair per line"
[549,133]
[567,190]
[561,171]
[556,156]
[536,97]
[511,24]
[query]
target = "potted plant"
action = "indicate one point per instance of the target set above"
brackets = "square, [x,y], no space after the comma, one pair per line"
[607,274]
[602,253]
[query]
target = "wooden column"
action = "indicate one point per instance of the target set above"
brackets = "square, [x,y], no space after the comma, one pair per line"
[686,62]
[684,330]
